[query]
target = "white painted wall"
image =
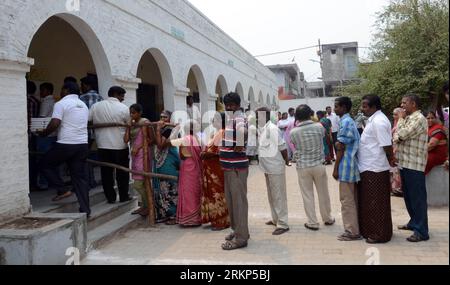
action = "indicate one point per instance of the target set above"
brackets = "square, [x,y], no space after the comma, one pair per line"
[117,33]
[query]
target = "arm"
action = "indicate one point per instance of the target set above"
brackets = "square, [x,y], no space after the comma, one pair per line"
[409,129]
[161,142]
[389,150]
[339,155]
[434,142]
[285,155]
[51,128]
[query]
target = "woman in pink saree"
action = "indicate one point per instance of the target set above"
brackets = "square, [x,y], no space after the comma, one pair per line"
[189,212]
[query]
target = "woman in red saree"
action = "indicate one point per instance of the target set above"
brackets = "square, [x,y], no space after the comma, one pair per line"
[438,146]
[214,206]
[190,181]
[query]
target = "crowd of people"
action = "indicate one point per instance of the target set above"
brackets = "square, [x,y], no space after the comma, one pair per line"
[372,159]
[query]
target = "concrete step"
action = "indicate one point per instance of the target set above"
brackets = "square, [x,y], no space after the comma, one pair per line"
[107,231]
[42,201]
[104,212]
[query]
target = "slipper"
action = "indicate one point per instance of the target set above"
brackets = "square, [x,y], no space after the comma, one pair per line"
[415,238]
[137,212]
[311,228]
[330,223]
[171,222]
[62,197]
[404,228]
[232,245]
[271,223]
[349,237]
[280,231]
[230,237]
[219,229]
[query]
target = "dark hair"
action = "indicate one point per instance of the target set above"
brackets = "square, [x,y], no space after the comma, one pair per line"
[445,88]
[232,98]
[72,88]
[189,98]
[291,110]
[328,108]
[414,98]
[137,107]
[264,110]
[373,100]
[47,86]
[287,114]
[116,90]
[167,113]
[346,102]
[320,114]
[31,87]
[89,80]
[303,113]
[70,79]
[430,112]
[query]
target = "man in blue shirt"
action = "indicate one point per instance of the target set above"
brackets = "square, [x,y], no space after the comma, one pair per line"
[346,168]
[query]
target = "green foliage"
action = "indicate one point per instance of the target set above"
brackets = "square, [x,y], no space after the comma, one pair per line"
[410,53]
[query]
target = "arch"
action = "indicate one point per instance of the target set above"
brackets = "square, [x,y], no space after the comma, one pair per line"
[240,90]
[95,47]
[200,85]
[221,90]
[251,98]
[260,98]
[166,76]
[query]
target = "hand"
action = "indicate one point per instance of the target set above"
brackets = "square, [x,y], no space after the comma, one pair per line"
[160,125]
[239,149]
[402,114]
[40,133]
[134,151]
[336,174]
[393,162]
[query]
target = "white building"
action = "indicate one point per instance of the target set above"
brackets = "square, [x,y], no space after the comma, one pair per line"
[165,48]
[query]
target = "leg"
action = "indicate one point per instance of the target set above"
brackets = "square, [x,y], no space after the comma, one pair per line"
[230,177]
[52,159]
[349,208]
[416,185]
[321,182]
[270,195]
[279,199]
[241,207]
[107,175]
[405,175]
[305,180]
[122,158]
[139,186]
[78,170]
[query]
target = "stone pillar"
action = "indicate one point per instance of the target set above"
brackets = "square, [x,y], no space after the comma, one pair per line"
[130,85]
[14,177]
[180,114]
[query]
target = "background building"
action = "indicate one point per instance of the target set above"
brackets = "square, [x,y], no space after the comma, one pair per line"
[291,82]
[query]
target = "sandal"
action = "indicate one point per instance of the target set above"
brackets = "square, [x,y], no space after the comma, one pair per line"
[349,237]
[415,238]
[404,228]
[311,228]
[171,222]
[232,245]
[62,197]
[230,237]
[271,223]
[137,212]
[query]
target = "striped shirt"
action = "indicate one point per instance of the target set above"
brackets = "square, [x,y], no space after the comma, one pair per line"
[349,136]
[235,129]
[91,98]
[308,141]
[412,142]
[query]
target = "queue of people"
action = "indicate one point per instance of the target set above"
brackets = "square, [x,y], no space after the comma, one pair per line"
[212,177]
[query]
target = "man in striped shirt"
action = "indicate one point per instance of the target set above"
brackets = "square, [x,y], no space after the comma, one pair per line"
[234,161]
[346,169]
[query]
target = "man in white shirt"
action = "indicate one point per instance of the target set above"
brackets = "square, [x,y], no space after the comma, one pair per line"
[70,118]
[110,142]
[375,158]
[273,158]
[335,121]
[193,111]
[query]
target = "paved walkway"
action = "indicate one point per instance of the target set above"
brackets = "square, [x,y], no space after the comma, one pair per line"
[166,245]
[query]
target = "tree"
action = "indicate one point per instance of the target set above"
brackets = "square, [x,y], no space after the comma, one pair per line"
[410,53]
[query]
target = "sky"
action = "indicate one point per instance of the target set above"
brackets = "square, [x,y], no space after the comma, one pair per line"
[267,26]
